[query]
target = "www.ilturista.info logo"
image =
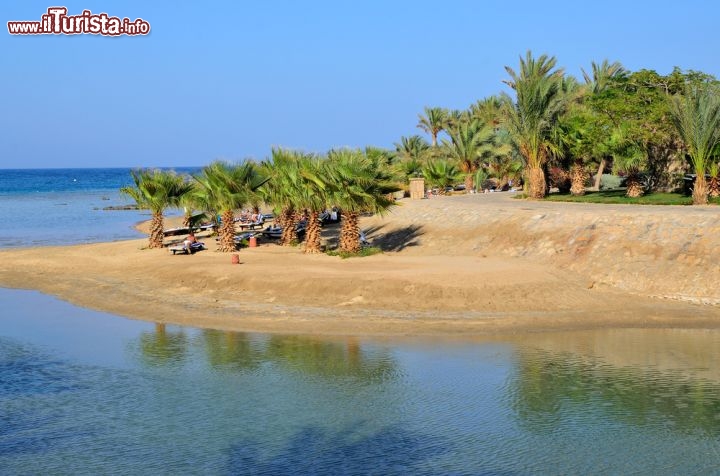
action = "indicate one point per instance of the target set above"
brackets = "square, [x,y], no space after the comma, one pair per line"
[57,22]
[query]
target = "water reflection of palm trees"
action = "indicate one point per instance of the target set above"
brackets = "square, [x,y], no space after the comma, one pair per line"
[230,350]
[163,347]
[313,355]
[549,387]
[238,351]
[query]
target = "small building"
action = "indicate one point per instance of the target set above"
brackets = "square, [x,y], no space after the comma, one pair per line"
[417,187]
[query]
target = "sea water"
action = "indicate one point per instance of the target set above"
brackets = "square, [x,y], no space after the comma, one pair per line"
[83,392]
[66,206]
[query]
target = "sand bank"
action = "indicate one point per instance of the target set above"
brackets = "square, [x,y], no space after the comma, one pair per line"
[456,265]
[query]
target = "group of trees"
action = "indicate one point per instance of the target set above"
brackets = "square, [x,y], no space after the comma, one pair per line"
[643,125]
[297,185]
[554,128]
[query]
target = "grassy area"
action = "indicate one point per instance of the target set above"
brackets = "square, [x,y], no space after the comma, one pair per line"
[618,196]
[365,251]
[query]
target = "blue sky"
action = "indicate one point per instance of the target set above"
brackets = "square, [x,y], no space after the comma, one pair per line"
[231,79]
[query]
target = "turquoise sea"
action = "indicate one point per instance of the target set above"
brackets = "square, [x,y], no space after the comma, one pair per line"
[85,392]
[41,207]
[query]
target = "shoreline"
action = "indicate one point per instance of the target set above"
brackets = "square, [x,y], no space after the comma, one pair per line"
[453,266]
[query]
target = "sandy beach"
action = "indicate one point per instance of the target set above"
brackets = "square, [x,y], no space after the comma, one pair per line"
[473,264]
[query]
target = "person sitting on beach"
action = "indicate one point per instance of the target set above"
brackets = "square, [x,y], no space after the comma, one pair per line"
[189,241]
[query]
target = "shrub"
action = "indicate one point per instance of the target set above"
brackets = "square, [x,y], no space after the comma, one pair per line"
[611,182]
[559,178]
[365,251]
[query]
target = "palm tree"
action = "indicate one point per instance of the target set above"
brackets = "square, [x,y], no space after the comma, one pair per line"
[358,185]
[578,145]
[530,120]
[714,183]
[696,116]
[470,142]
[480,176]
[156,190]
[441,174]
[629,157]
[455,119]
[412,152]
[602,74]
[411,148]
[229,187]
[312,196]
[282,191]
[488,110]
[193,201]
[433,122]
[506,168]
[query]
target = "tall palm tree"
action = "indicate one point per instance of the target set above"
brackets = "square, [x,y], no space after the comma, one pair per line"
[230,187]
[488,110]
[470,142]
[156,190]
[531,118]
[455,119]
[696,116]
[358,185]
[433,122]
[602,74]
[411,148]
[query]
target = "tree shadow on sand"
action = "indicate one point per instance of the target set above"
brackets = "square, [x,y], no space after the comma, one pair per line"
[395,240]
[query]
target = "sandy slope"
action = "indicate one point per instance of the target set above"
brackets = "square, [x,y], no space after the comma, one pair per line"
[441,274]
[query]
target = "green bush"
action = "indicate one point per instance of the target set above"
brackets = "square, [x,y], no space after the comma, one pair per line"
[610,182]
[365,251]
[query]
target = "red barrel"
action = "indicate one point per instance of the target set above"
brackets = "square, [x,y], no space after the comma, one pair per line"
[252,243]
[235,259]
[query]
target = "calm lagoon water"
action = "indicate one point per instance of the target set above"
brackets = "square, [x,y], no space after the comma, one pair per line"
[83,392]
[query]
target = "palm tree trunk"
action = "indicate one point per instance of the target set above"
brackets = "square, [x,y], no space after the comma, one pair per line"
[289,235]
[469,182]
[714,187]
[700,190]
[156,231]
[284,216]
[634,186]
[227,232]
[312,235]
[578,177]
[536,183]
[350,233]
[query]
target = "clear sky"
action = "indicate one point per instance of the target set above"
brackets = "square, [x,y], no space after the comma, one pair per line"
[231,79]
